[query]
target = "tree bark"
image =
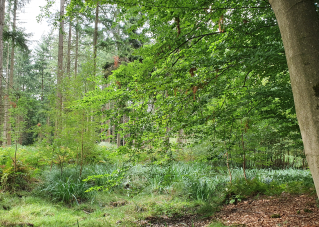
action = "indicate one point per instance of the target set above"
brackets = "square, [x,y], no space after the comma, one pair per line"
[68,68]
[95,36]
[299,27]
[15,6]
[6,100]
[60,66]
[2,12]
[76,48]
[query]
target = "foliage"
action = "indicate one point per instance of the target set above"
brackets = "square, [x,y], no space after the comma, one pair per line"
[12,179]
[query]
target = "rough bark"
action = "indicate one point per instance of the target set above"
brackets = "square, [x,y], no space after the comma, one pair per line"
[299,27]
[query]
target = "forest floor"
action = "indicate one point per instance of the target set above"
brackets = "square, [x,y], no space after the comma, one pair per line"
[284,210]
[262,211]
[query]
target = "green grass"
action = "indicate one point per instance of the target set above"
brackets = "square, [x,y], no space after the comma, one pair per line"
[106,210]
[175,189]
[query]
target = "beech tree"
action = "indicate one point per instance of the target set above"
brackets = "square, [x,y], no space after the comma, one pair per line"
[300,37]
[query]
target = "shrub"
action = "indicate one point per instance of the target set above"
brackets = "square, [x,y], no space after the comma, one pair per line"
[13,180]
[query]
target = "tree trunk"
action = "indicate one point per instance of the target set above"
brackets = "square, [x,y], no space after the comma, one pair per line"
[76,48]
[299,26]
[108,122]
[6,101]
[95,37]
[2,12]
[60,67]
[11,70]
[68,68]
[42,83]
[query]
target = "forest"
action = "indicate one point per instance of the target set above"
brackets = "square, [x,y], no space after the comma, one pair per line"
[160,113]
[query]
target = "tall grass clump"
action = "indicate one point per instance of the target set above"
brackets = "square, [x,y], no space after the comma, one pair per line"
[67,187]
[268,182]
[199,181]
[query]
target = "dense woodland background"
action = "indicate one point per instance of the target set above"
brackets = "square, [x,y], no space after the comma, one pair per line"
[169,96]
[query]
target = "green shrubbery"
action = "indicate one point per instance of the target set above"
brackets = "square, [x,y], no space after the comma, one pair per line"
[194,180]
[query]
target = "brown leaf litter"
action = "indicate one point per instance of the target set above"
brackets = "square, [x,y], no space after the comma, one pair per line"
[265,211]
[285,210]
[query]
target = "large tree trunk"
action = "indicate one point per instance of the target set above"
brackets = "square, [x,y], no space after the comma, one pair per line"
[299,27]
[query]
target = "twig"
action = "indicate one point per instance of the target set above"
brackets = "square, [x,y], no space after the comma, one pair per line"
[298,216]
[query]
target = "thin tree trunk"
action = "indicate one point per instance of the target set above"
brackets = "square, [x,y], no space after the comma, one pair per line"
[300,36]
[12,69]
[118,136]
[60,67]
[68,68]
[244,155]
[227,163]
[82,151]
[95,37]
[114,138]
[76,48]
[2,12]
[42,83]
[108,122]
[6,101]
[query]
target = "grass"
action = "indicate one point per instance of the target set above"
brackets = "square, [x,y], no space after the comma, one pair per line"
[106,210]
[176,189]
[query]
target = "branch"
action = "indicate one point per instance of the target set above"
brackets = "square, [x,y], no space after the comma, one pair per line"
[187,7]
[246,77]
[195,37]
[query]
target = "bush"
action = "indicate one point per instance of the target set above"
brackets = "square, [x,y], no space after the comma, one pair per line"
[12,180]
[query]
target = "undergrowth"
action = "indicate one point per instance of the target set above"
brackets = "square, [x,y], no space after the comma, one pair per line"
[171,189]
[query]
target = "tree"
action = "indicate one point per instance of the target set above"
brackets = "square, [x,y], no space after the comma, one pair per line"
[300,37]
[2,12]
[60,67]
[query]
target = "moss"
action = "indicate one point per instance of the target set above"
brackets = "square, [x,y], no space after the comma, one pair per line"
[275,216]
